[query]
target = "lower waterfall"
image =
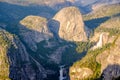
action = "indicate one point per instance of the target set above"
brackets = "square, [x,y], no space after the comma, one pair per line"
[61,71]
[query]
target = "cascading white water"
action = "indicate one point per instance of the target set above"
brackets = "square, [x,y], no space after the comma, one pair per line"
[61,77]
[99,43]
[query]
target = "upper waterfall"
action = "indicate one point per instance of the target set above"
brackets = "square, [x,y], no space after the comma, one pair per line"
[99,43]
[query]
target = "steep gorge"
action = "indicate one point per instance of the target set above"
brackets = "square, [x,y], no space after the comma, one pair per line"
[45,47]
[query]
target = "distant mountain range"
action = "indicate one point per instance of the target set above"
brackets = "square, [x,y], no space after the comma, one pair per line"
[84,5]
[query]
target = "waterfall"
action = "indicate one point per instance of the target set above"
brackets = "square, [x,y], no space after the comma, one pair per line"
[61,77]
[99,43]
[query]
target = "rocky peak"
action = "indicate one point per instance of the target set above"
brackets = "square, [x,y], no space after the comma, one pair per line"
[71,24]
[36,23]
[33,29]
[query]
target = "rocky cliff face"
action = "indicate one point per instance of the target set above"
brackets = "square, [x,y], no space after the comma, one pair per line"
[71,24]
[54,27]
[34,29]
[111,57]
[15,62]
[110,61]
[80,73]
[103,61]
[4,64]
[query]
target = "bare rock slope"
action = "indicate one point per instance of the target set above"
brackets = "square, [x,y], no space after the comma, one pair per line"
[72,27]
[33,29]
